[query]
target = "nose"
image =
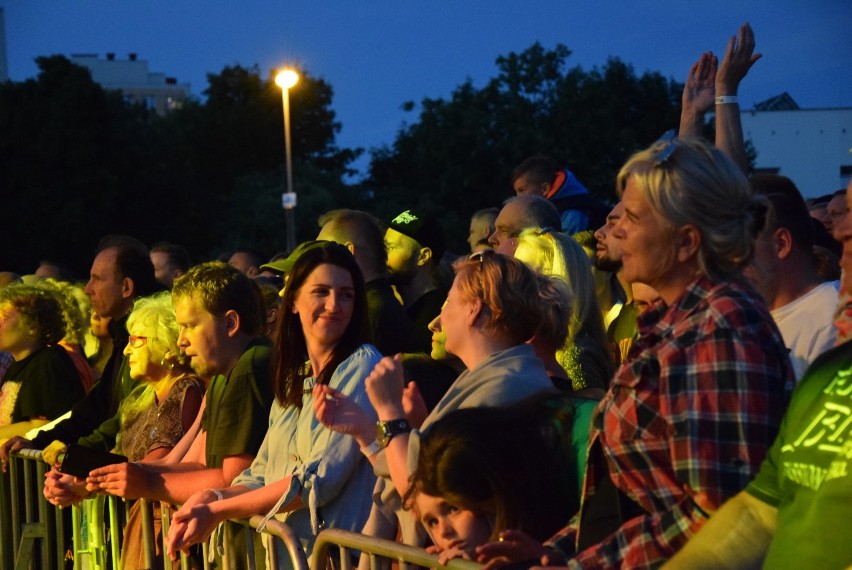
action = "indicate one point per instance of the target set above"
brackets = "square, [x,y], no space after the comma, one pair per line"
[445,528]
[617,230]
[843,230]
[182,341]
[435,325]
[492,239]
[600,233]
[332,302]
[88,290]
[126,351]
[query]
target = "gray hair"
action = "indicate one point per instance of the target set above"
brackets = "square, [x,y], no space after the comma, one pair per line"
[691,182]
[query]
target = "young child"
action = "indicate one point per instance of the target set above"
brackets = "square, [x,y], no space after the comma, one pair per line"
[455,531]
[483,471]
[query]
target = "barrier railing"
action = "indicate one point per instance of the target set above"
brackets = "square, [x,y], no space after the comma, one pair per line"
[34,533]
[375,549]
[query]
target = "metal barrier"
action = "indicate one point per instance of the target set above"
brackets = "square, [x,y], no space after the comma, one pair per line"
[376,548]
[32,530]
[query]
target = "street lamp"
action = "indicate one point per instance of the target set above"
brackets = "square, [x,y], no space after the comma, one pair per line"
[285,79]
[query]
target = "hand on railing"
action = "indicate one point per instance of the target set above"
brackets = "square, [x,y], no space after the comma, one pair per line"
[513,546]
[192,523]
[63,490]
[444,556]
[15,443]
[127,480]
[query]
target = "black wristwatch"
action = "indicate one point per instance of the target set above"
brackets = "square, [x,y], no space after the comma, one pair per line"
[386,430]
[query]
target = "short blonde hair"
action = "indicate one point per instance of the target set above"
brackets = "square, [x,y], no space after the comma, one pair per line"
[518,298]
[691,182]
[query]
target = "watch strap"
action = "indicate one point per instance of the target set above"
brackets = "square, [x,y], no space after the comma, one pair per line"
[385,430]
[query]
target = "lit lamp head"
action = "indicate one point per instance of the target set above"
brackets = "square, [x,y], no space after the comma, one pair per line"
[286,78]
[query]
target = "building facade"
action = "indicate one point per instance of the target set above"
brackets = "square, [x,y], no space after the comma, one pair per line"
[812,147]
[132,77]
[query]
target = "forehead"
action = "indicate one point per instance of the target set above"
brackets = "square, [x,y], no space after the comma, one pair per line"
[159,257]
[395,237]
[427,504]
[617,211]
[190,307]
[330,275]
[633,198]
[839,202]
[480,222]
[521,182]
[509,217]
[139,329]
[106,262]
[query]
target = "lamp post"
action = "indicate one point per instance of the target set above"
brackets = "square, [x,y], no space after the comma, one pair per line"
[285,79]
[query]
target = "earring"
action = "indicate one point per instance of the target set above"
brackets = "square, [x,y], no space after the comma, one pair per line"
[167,361]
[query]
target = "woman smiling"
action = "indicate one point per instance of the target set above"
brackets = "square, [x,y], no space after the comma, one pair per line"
[310,475]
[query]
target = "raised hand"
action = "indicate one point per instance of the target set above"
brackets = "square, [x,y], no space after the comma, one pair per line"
[739,57]
[414,405]
[338,412]
[385,385]
[699,90]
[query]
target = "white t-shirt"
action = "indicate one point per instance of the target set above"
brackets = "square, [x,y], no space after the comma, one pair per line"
[807,325]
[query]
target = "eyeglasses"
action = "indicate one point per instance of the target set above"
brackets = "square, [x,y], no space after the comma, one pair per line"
[137,341]
[666,153]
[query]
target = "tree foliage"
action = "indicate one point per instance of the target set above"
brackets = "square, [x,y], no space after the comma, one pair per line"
[458,155]
[78,162]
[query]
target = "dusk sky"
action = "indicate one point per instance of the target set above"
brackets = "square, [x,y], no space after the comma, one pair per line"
[379,54]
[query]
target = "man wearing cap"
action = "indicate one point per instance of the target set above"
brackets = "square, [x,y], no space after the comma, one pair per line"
[415,244]
[363,234]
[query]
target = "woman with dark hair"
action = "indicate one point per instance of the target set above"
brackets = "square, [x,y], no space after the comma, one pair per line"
[42,383]
[310,475]
[496,304]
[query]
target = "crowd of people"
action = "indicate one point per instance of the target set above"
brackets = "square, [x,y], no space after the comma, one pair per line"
[662,381]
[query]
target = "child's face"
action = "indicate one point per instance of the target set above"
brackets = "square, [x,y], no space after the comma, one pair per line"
[451,526]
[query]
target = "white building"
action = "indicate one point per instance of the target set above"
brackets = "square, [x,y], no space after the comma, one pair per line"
[131,76]
[812,147]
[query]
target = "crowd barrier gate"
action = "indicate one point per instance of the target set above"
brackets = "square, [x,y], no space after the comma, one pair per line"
[34,533]
[407,557]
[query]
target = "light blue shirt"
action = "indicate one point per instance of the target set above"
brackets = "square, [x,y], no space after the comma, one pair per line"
[334,478]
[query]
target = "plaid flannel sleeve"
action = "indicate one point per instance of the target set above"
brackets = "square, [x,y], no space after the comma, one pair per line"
[722,402]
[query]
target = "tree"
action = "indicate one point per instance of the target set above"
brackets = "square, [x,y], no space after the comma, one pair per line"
[66,146]
[77,162]
[234,146]
[459,153]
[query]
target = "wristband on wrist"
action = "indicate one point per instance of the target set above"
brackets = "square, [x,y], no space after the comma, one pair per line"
[371,449]
[216,492]
[726,100]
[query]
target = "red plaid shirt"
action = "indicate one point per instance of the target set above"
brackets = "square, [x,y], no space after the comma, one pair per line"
[687,420]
